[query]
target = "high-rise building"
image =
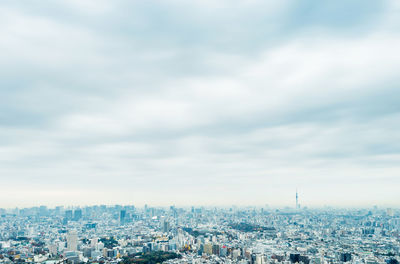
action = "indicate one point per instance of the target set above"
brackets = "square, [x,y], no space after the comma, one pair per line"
[68,214]
[72,241]
[294,257]
[93,242]
[166,226]
[345,257]
[215,249]
[223,251]
[43,210]
[58,210]
[53,249]
[77,214]
[122,216]
[389,212]
[208,248]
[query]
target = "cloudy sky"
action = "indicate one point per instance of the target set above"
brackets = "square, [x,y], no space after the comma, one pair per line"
[200,102]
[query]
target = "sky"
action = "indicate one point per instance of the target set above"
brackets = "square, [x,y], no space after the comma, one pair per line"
[200,103]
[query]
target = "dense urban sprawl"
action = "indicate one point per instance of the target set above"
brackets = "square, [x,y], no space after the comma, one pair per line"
[125,234]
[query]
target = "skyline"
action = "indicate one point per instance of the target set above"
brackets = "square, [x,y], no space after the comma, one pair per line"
[200,103]
[267,207]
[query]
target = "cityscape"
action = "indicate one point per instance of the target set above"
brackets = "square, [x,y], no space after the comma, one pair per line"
[200,131]
[255,235]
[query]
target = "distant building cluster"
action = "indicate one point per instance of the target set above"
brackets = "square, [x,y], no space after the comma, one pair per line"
[126,234]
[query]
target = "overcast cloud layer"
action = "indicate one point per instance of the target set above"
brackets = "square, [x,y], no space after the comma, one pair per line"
[200,102]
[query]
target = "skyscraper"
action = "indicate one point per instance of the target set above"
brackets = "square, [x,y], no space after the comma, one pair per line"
[77,214]
[166,226]
[68,214]
[297,200]
[122,216]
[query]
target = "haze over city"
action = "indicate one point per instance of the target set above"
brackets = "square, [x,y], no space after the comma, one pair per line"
[213,103]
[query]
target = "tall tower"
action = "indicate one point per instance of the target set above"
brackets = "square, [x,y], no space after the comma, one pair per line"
[297,200]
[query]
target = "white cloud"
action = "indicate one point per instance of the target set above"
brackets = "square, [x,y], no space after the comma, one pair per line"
[129,108]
